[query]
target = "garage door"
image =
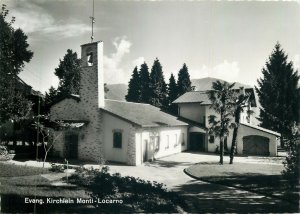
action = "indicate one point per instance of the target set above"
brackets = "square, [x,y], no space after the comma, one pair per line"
[256,145]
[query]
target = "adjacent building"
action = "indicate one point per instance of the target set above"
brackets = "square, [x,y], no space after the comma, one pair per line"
[195,107]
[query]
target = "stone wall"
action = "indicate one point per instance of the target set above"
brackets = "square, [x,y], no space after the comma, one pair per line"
[131,147]
[90,139]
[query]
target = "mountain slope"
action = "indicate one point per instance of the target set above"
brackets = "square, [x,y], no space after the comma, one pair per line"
[116,92]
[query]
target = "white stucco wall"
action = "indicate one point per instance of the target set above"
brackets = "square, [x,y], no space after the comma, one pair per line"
[192,111]
[113,123]
[246,131]
[242,132]
[177,141]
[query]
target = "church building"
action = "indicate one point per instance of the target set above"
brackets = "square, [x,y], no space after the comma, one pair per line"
[111,130]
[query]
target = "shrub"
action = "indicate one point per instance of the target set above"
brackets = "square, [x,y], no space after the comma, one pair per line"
[137,195]
[57,167]
[3,150]
[292,163]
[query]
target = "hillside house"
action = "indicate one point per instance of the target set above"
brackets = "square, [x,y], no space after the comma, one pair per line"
[194,107]
[113,130]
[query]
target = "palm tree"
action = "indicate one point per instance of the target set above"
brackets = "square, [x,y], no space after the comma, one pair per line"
[239,101]
[221,97]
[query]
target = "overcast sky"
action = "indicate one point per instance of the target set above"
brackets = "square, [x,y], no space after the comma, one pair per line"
[223,39]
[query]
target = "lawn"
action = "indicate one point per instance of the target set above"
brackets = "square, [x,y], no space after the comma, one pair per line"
[18,182]
[262,178]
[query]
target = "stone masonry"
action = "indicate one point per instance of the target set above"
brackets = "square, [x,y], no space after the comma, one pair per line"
[90,136]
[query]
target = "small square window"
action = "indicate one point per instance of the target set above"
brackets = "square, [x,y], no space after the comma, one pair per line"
[117,139]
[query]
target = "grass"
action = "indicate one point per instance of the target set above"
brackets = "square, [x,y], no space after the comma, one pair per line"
[265,179]
[9,170]
[27,181]
[18,182]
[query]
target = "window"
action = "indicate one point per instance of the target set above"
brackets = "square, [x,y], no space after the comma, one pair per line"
[155,141]
[176,141]
[204,121]
[211,139]
[167,142]
[182,139]
[117,139]
[90,59]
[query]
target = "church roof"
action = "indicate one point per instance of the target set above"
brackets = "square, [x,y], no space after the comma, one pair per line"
[144,115]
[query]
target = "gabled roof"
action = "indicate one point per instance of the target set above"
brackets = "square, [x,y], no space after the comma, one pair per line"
[261,129]
[143,115]
[194,97]
[69,96]
[202,86]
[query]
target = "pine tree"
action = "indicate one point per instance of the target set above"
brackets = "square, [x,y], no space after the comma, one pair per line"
[158,86]
[277,92]
[50,97]
[184,83]
[134,87]
[68,72]
[145,84]
[172,95]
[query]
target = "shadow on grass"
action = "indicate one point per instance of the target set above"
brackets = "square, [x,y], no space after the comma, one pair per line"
[167,164]
[205,197]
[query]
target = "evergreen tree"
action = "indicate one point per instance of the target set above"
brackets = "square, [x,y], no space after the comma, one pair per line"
[172,95]
[184,83]
[134,87]
[145,84]
[277,92]
[13,55]
[50,97]
[158,86]
[68,72]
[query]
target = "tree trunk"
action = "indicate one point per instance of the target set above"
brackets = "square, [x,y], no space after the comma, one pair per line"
[221,150]
[233,145]
[237,116]
[45,159]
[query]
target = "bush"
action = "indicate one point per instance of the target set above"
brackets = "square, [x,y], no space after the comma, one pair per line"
[292,163]
[57,167]
[137,195]
[3,150]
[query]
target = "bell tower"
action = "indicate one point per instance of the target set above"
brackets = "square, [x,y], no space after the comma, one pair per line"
[91,76]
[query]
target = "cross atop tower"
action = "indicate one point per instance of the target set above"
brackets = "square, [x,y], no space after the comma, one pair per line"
[93,21]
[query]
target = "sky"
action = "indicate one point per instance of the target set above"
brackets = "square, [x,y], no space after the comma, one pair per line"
[231,40]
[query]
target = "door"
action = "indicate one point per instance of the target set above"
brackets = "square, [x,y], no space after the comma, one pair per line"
[71,145]
[197,141]
[256,145]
